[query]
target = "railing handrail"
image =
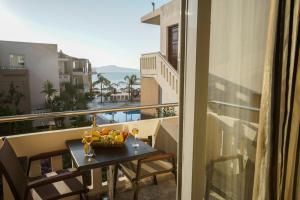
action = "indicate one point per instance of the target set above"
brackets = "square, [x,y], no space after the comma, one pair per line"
[12,67]
[149,53]
[169,64]
[234,105]
[164,59]
[39,116]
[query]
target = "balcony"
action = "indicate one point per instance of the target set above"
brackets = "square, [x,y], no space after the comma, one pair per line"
[64,78]
[222,122]
[13,70]
[80,71]
[164,132]
[156,66]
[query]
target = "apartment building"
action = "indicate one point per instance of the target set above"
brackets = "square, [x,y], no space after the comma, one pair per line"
[77,71]
[160,70]
[28,65]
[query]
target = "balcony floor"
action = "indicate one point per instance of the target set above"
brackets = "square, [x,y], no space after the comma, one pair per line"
[164,190]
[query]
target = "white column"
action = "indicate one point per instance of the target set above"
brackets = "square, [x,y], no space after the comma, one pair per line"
[194,99]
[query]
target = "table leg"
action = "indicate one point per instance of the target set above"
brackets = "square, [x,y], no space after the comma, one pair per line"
[110,181]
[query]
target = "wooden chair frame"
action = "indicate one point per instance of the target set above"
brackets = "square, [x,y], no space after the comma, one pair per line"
[30,184]
[210,169]
[135,181]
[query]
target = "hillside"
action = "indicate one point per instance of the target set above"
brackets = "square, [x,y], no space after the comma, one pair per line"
[114,68]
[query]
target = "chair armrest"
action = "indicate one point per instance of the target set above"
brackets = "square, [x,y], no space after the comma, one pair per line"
[162,156]
[226,158]
[48,154]
[45,155]
[53,179]
[239,157]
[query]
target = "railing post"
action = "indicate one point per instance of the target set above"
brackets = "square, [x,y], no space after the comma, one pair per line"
[94,120]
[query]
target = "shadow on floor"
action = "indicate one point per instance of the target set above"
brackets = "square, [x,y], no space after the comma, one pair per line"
[165,190]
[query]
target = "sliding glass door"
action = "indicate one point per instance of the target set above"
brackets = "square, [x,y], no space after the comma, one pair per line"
[236,61]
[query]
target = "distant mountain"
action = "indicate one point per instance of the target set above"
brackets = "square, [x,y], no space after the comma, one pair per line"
[114,68]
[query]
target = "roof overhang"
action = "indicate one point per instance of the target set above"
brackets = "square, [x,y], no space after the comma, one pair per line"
[152,17]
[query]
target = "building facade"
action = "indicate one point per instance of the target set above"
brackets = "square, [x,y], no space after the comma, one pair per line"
[160,70]
[28,65]
[76,71]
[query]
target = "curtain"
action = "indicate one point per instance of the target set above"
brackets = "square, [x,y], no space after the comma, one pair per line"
[277,158]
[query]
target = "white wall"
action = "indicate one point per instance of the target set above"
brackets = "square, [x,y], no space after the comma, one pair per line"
[41,61]
[169,16]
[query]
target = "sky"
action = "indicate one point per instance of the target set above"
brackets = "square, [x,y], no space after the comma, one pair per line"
[107,32]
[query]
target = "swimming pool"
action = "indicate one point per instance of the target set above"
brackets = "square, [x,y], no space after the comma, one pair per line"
[122,116]
[116,116]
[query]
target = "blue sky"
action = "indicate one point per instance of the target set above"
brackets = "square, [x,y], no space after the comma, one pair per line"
[104,31]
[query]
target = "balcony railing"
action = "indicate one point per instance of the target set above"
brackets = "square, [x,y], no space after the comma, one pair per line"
[13,67]
[93,112]
[231,105]
[156,66]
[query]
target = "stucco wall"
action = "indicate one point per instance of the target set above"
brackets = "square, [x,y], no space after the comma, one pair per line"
[150,93]
[169,16]
[42,63]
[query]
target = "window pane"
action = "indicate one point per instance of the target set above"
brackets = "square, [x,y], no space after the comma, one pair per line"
[17,60]
[238,35]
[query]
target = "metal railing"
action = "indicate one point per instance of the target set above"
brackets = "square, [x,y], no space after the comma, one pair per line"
[254,109]
[93,112]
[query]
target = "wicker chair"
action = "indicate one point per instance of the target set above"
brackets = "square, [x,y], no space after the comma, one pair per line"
[54,185]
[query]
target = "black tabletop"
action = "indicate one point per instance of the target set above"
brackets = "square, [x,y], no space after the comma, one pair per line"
[105,156]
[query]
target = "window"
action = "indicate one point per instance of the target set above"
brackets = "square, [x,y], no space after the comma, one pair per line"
[17,60]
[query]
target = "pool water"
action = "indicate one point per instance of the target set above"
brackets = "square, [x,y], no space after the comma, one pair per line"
[122,116]
[116,116]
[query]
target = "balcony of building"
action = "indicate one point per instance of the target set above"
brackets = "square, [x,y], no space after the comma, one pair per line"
[79,72]
[64,78]
[13,69]
[163,131]
[222,124]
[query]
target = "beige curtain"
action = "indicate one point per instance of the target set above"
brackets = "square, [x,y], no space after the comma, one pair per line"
[278,145]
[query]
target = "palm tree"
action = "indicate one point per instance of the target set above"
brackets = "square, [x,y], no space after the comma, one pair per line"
[70,99]
[49,92]
[131,81]
[114,87]
[103,82]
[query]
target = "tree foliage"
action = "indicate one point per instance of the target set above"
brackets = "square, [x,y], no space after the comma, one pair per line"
[9,105]
[130,82]
[71,98]
[103,82]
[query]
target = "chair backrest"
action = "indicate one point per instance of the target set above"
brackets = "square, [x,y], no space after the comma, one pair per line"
[12,170]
